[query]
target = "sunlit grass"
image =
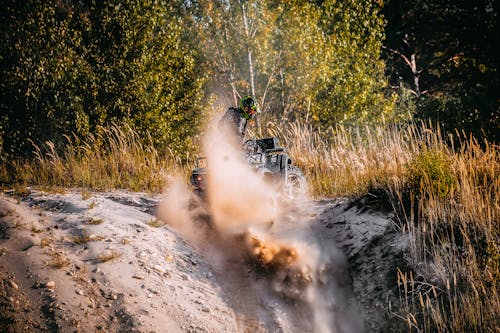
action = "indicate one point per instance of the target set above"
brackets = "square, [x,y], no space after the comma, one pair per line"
[448,200]
[349,161]
[156,223]
[108,256]
[95,221]
[86,238]
[457,237]
[58,261]
[115,158]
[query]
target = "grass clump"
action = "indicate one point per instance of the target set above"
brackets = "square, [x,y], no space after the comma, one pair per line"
[94,221]
[156,223]
[86,194]
[84,237]
[58,261]
[431,170]
[35,229]
[44,242]
[108,256]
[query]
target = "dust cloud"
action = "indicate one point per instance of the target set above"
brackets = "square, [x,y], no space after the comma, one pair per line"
[270,231]
[178,209]
[239,198]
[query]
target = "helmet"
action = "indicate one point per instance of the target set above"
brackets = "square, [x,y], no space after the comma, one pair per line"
[246,102]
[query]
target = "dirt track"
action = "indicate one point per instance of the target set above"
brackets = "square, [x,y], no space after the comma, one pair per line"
[160,282]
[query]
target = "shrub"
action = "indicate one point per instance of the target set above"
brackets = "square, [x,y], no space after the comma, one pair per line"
[430,170]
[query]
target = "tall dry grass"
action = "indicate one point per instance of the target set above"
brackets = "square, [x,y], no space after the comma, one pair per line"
[350,160]
[114,158]
[449,200]
[456,254]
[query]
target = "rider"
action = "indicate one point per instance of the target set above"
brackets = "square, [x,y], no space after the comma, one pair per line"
[237,118]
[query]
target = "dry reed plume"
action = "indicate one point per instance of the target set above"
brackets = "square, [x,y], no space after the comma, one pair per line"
[450,204]
[449,200]
[114,158]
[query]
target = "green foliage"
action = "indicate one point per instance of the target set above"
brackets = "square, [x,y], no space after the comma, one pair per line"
[71,68]
[406,105]
[354,91]
[446,52]
[469,113]
[430,172]
[314,60]
[116,158]
[158,86]
[37,66]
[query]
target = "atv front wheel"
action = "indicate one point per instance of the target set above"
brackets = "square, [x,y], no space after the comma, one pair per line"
[295,183]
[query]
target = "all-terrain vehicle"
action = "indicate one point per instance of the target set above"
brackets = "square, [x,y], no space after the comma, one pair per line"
[270,161]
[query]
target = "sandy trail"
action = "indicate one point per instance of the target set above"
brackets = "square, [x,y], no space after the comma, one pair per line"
[160,281]
[153,281]
[312,293]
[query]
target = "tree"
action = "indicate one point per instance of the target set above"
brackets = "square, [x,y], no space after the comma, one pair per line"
[233,34]
[38,72]
[354,91]
[155,82]
[314,60]
[445,53]
[71,66]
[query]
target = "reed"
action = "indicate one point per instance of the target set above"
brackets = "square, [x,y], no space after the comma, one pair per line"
[448,200]
[114,158]
[349,161]
[447,197]
[457,254]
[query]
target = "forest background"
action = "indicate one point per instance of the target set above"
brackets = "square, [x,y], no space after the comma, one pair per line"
[70,69]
